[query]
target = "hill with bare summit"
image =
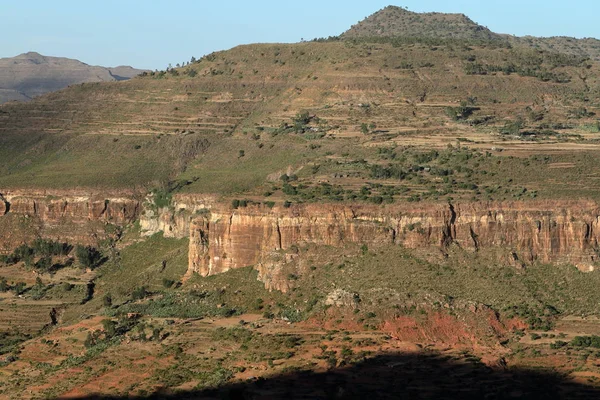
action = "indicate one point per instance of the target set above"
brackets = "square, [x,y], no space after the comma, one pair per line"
[32,74]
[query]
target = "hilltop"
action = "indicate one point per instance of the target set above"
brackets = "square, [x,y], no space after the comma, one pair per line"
[395,21]
[32,74]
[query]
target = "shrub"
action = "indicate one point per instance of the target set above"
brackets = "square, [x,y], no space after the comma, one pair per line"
[19,288]
[107,300]
[139,293]
[66,286]
[168,283]
[46,248]
[512,128]
[4,287]
[44,264]
[289,189]
[558,344]
[88,257]
[461,112]
[586,341]
[110,328]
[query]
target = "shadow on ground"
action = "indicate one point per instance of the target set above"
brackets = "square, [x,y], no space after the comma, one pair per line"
[398,376]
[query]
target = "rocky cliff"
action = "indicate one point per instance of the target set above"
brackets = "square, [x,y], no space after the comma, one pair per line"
[222,239]
[75,217]
[524,232]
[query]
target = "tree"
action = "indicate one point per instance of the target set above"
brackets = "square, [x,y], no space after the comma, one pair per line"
[513,128]
[19,288]
[107,300]
[364,128]
[139,293]
[289,189]
[109,327]
[3,285]
[300,121]
[88,257]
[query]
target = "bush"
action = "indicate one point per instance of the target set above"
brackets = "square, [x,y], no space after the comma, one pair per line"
[46,248]
[110,328]
[586,341]
[107,300]
[558,344]
[66,286]
[168,283]
[44,264]
[88,257]
[289,189]
[139,293]
[460,113]
[19,288]
[4,286]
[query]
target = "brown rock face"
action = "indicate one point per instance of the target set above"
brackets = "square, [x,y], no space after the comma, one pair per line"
[232,240]
[523,232]
[222,239]
[68,216]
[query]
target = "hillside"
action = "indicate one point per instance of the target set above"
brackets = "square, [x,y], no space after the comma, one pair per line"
[359,98]
[31,74]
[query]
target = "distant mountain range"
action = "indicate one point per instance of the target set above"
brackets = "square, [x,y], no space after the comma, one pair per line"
[395,21]
[31,74]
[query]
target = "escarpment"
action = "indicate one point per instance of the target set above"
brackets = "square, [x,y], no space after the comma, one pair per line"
[222,238]
[524,232]
[75,217]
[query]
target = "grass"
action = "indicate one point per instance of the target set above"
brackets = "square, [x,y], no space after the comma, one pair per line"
[140,264]
[391,276]
[122,135]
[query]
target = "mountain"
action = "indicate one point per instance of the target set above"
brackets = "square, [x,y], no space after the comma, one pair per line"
[31,74]
[395,21]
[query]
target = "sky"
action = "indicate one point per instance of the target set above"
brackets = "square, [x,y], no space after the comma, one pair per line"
[152,34]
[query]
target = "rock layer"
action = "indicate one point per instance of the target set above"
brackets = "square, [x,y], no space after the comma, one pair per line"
[222,239]
[525,232]
[68,216]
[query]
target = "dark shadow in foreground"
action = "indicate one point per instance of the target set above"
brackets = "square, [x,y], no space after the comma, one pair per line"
[397,376]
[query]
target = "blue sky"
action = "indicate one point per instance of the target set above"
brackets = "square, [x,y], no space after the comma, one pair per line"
[153,33]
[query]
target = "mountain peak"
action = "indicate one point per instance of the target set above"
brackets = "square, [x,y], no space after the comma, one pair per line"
[33,56]
[32,74]
[393,21]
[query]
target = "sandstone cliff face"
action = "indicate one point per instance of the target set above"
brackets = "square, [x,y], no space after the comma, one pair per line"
[222,239]
[524,232]
[69,216]
[174,221]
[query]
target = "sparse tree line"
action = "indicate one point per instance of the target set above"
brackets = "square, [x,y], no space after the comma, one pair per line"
[48,256]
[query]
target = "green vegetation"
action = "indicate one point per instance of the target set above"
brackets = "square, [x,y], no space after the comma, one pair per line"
[88,257]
